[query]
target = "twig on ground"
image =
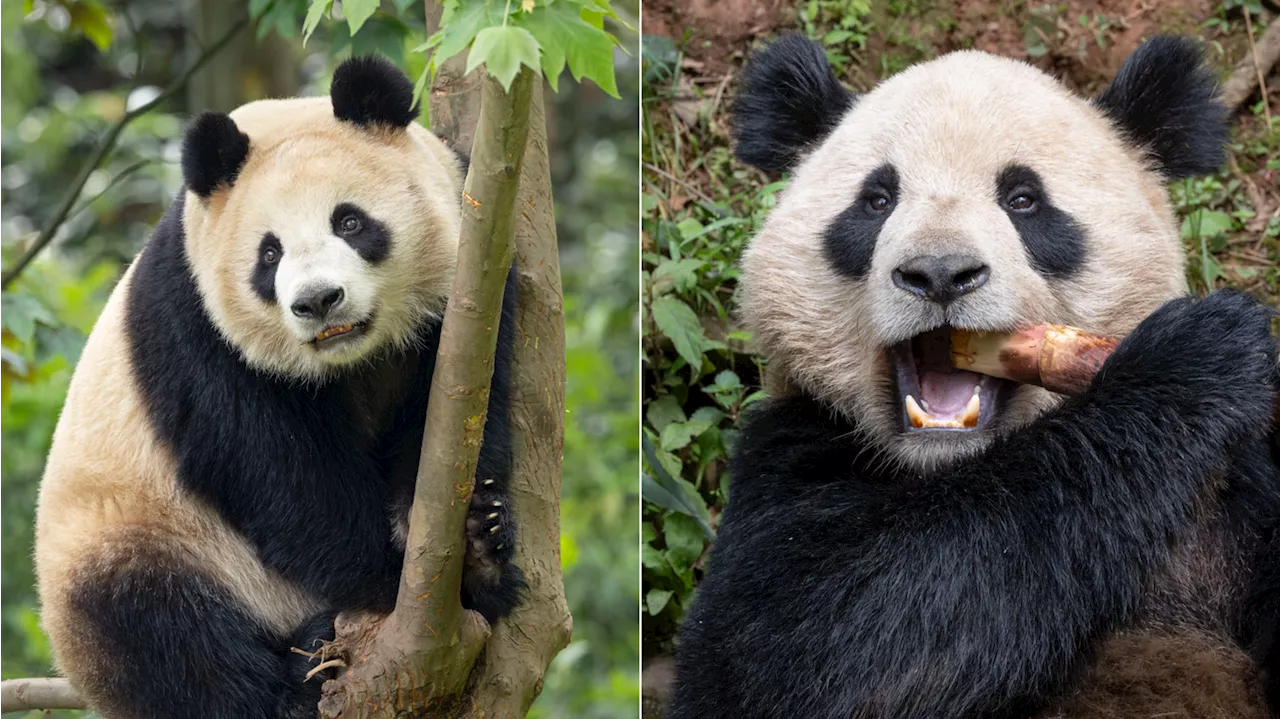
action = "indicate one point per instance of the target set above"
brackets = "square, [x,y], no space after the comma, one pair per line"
[1251,71]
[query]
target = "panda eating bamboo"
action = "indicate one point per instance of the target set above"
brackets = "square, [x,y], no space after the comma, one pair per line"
[908,540]
[237,454]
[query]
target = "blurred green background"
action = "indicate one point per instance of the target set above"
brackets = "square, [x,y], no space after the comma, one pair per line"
[71,68]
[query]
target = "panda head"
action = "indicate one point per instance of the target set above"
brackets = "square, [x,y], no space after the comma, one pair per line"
[971,191]
[321,230]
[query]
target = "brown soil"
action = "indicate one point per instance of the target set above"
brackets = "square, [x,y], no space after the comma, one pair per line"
[719,31]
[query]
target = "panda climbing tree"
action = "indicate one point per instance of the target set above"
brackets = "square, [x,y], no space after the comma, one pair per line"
[244,602]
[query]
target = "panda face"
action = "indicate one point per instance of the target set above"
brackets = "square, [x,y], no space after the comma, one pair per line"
[329,247]
[968,192]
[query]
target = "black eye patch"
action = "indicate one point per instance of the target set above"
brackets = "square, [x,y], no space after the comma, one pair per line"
[263,279]
[850,240]
[366,235]
[1053,239]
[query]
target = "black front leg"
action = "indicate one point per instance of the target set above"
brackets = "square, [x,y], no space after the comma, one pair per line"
[837,590]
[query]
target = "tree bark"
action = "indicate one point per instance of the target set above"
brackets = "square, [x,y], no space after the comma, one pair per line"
[523,645]
[420,657]
[454,97]
[27,694]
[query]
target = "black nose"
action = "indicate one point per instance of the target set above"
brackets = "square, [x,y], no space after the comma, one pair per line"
[941,279]
[318,305]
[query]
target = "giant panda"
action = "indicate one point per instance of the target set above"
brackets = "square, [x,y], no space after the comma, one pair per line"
[237,454]
[1114,554]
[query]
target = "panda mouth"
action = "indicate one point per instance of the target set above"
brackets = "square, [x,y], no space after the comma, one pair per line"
[933,395]
[335,334]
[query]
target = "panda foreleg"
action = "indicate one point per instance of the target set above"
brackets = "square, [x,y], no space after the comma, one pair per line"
[492,584]
[155,637]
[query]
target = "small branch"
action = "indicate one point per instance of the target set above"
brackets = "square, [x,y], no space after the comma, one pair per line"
[105,145]
[1251,71]
[1262,80]
[18,695]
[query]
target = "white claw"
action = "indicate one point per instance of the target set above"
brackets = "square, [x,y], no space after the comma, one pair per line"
[488,482]
[497,504]
[493,516]
[496,527]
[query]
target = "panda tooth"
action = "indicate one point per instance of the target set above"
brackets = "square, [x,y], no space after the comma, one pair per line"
[969,417]
[918,416]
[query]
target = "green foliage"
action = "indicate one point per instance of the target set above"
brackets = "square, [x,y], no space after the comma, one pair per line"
[543,35]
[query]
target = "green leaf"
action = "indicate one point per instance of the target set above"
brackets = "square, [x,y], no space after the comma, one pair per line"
[459,25]
[707,414]
[669,492]
[678,435]
[656,600]
[315,13]
[503,50]
[404,5]
[20,313]
[680,275]
[663,411]
[566,37]
[678,322]
[1206,223]
[92,20]
[60,341]
[685,540]
[689,228]
[358,11]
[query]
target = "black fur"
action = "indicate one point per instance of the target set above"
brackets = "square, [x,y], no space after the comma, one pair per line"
[850,240]
[176,644]
[263,280]
[213,151]
[840,587]
[372,240]
[1053,239]
[308,473]
[369,90]
[788,101]
[1165,100]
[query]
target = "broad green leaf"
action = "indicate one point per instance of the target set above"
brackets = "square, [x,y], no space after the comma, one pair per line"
[1206,223]
[315,13]
[678,435]
[663,411]
[92,20]
[420,86]
[358,11]
[20,313]
[685,540]
[679,275]
[565,36]
[678,322]
[669,492]
[689,228]
[656,600]
[503,50]
[404,5]
[459,26]
[707,414]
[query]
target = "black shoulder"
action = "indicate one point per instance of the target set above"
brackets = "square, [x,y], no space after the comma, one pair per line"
[789,100]
[1165,100]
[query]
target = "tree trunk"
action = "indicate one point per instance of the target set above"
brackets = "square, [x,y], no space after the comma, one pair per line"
[248,70]
[422,658]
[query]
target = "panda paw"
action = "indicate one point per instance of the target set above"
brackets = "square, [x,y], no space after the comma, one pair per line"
[1211,359]
[302,695]
[491,581]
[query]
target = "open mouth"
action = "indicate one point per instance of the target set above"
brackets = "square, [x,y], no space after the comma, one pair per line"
[336,334]
[933,395]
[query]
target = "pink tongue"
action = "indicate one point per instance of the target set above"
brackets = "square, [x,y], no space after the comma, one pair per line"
[946,392]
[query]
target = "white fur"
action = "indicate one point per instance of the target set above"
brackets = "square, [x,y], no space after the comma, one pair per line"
[949,126]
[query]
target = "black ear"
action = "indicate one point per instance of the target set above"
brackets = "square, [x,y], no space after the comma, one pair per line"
[370,90]
[213,151]
[1165,100]
[788,100]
